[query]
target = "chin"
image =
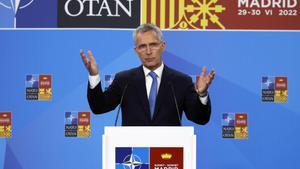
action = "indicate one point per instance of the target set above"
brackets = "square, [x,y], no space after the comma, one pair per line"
[149,65]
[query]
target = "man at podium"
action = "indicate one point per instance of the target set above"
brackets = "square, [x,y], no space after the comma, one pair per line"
[152,94]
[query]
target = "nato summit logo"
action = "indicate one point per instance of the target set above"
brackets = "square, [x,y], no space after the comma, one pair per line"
[149,157]
[77,124]
[274,89]
[235,125]
[38,87]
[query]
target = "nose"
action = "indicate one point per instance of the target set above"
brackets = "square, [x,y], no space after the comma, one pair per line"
[148,50]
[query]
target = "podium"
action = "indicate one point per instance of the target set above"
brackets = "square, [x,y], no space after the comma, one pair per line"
[149,147]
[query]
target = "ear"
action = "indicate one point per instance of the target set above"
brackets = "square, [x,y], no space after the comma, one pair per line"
[135,50]
[164,45]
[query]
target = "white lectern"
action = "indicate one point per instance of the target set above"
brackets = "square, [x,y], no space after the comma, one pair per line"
[155,145]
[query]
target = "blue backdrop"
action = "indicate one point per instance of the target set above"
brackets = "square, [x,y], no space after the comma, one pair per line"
[239,58]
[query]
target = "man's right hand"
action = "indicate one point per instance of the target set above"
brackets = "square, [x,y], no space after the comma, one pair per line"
[89,63]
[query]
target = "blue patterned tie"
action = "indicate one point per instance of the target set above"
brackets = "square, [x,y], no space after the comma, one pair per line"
[153,93]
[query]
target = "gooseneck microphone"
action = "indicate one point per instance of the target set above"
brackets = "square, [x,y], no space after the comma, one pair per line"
[175,100]
[123,93]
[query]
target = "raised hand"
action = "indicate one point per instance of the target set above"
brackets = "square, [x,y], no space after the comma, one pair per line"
[202,84]
[89,63]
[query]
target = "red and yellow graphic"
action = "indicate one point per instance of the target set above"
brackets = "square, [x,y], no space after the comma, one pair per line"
[84,124]
[5,124]
[166,157]
[45,90]
[182,14]
[241,126]
[281,89]
[222,14]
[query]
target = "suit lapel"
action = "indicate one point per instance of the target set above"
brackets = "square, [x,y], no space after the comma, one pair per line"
[163,88]
[140,85]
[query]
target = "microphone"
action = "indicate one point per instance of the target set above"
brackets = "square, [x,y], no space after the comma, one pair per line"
[175,100]
[123,93]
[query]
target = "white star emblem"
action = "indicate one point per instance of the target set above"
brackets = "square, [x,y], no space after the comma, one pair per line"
[31,81]
[134,162]
[228,119]
[268,82]
[14,5]
[70,119]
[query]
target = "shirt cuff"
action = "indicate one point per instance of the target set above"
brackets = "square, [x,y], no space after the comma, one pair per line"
[204,99]
[94,81]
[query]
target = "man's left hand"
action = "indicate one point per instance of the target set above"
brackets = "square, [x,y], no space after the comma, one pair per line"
[204,81]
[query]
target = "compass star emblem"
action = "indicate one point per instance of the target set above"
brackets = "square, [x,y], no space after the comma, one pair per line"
[15,6]
[132,162]
[268,83]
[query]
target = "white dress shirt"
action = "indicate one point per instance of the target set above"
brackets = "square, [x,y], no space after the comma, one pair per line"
[158,71]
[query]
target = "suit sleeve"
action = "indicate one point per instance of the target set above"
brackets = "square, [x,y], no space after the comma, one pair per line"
[193,108]
[104,101]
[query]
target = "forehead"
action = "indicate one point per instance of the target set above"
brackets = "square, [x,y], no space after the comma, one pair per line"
[146,37]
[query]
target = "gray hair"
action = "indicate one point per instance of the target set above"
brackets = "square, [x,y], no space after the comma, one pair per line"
[145,28]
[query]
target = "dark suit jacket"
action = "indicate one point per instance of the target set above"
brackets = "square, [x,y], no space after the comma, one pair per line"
[135,105]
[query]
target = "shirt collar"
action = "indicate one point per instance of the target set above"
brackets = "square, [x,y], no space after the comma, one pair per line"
[157,71]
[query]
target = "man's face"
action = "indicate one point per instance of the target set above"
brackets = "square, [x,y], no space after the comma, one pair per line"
[149,49]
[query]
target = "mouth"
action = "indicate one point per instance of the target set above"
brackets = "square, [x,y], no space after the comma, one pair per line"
[149,59]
